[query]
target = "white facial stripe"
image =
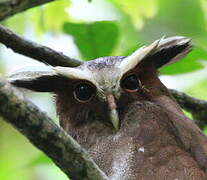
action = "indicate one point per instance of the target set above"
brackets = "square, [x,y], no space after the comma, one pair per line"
[73,73]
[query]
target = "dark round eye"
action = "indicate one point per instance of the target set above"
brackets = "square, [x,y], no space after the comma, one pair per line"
[83,92]
[130,83]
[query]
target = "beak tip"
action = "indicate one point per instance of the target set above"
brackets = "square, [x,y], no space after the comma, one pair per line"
[115,119]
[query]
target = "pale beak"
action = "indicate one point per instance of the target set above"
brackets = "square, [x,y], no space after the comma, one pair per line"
[114,117]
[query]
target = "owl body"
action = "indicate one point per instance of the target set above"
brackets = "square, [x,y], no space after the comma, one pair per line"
[145,148]
[117,109]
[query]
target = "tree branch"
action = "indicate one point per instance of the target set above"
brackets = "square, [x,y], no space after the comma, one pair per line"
[46,135]
[34,50]
[197,107]
[11,7]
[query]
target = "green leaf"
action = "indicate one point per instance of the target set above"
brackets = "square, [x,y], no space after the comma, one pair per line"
[39,160]
[138,11]
[205,130]
[18,23]
[15,153]
[130,50]
[95,39]
[131,18]
[50,17]
[177,17]
[56,14]
[188,64]
[198,89]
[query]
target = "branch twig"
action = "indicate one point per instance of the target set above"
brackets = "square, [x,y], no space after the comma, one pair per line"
[197,107]
[34,50]
[47,136]
[11,7]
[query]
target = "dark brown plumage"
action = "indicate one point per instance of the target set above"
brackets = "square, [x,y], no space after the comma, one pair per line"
[130,124]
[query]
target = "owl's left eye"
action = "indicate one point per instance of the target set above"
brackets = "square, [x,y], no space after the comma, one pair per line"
[83,92]
[130,83]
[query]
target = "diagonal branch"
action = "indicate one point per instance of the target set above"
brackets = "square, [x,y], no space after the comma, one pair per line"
[34,50]
[197,107]
[11,7]
[47,136]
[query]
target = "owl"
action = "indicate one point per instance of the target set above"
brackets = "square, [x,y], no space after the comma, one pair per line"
[117,108]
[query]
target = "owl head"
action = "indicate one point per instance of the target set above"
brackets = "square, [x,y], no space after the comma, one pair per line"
[98,93]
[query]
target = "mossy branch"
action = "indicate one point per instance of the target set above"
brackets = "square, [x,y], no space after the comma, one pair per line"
[65,152]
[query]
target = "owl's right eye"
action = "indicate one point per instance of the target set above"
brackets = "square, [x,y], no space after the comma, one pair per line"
[83,92]
[130,83]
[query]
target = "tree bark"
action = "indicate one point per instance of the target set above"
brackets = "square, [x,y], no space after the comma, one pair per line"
[11,7]
[65,152]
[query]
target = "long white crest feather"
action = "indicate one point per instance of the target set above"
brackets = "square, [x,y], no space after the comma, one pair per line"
[132,60]
[31,73]
[73,73]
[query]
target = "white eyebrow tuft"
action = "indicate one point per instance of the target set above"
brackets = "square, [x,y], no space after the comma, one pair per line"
[73,73]
[131,61]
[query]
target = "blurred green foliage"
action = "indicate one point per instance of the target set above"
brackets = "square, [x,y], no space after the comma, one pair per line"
[139,22]
[95,39]
[15,154]
[50,17]
[199,89]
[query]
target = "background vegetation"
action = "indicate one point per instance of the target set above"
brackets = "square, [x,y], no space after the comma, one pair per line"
[87,30]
